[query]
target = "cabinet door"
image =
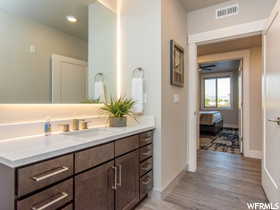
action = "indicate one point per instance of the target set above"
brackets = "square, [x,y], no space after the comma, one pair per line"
[94,188]
[127,193]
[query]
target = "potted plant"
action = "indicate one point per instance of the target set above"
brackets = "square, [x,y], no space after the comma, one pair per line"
[118,111]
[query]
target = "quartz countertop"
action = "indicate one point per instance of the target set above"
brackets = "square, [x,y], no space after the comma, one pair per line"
[27,150]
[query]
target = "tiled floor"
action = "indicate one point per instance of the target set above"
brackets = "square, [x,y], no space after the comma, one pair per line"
[223,182]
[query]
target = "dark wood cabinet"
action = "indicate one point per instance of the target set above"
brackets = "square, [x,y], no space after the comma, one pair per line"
[43,174]
[146,184]
[113,176]
[51,198]
[68,207]
[125,145]
[92,157]
[127,193]
[94,188]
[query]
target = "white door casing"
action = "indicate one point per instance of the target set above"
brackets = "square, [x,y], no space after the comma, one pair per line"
[243,55]
[69,80]
[236,31]
[271,107]
[240,105]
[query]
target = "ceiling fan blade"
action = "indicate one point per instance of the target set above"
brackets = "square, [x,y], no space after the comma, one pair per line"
[207,66]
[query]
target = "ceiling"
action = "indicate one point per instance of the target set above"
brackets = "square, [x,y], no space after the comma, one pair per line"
[220,66]
[230,45]
[191,5]
[53,13]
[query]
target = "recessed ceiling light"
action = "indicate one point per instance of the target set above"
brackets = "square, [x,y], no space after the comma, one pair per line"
[71,19]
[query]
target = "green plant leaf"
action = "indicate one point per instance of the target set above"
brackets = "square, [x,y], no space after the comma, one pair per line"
[119,108]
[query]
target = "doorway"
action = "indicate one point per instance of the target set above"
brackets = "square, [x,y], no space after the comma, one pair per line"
[244,50]
[220,112]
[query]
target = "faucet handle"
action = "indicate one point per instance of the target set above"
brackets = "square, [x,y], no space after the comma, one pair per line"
[84,124]
[65,127]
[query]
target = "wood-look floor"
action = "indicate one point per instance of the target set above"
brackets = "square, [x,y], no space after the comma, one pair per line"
[223,181]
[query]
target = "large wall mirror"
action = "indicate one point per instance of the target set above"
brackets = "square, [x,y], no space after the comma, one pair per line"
[57,51]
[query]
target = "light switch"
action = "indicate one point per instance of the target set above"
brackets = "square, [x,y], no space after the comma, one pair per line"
[176,98]
[32,49]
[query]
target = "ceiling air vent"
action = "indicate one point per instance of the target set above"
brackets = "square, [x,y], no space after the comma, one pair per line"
[227,11]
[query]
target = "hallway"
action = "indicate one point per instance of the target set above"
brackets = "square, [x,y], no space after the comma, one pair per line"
[223,181]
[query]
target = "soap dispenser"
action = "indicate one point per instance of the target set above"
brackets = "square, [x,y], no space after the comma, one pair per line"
[47,127]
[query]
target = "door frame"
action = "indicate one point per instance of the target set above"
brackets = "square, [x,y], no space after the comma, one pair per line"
[228,33]
[243,55]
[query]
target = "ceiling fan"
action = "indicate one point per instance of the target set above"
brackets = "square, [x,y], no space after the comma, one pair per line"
[207,67]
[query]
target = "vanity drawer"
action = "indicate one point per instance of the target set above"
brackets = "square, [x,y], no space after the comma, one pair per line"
[49,199]
[126,145]
[42,174]
[146,138]
[146,166]
[68,207]
[146,184]
[146,152]
[92,157]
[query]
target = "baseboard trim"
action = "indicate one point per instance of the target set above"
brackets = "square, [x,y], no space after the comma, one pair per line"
[161,194]
[172,184]
[256,154]
[155,194]
[230,125]
[269,186]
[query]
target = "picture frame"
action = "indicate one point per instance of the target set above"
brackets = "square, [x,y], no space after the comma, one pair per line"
[177,68]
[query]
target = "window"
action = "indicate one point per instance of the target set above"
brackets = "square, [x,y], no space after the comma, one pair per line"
[217,92]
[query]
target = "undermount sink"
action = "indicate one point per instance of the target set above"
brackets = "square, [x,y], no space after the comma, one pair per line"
[94,132]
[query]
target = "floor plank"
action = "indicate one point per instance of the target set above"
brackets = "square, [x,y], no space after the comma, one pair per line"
[223,181]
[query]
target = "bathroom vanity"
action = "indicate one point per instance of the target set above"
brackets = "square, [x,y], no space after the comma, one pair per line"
[98,169]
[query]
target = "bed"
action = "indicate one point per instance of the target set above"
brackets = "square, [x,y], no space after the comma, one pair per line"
[211,122]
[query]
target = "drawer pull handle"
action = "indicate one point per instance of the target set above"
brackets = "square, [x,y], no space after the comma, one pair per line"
[58,171]
[148,167]
[146,153]
[147,181]
[148,139]
[115,178]
[62,197]
[120,176]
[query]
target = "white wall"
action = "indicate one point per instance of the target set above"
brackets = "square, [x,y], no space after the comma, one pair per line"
[250,10]
[15,113]
[102,47]
[174,143]
[140,31]
[146,29]
[111,4]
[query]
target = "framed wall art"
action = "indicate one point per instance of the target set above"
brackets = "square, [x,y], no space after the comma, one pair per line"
[176,64]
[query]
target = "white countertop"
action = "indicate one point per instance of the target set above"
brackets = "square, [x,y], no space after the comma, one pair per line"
[19,152]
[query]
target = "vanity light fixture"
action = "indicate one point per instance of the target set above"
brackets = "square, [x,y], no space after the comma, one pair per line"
[71,19]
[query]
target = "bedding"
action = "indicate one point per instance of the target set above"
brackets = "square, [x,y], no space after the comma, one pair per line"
[211,122]
[210,117]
